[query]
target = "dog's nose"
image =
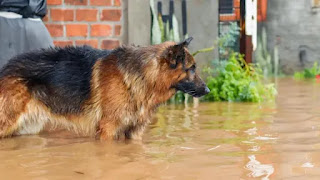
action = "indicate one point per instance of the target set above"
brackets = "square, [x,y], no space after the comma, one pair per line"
[207,90]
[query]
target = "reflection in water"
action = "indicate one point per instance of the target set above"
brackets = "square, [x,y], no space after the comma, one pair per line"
[307,165]
[194,141]
[259,170]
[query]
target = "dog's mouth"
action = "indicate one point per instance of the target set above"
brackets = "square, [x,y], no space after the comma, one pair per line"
[197,93]
[193,91]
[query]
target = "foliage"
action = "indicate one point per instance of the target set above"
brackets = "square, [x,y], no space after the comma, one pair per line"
[235,80]
[228,40]
[262,55]
[155,29]
[264,58]
[231,78]
[160,30]
[308,72]
[175,29]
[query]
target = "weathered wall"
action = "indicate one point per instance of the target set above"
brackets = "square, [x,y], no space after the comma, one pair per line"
[203,20]
[139,22]
[295,26]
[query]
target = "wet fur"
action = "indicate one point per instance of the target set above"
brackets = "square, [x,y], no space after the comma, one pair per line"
[106,94]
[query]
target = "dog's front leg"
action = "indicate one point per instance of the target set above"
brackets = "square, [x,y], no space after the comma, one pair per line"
[107,130]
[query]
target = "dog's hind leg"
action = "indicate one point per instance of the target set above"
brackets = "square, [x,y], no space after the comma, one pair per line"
[14,97]
[135,132]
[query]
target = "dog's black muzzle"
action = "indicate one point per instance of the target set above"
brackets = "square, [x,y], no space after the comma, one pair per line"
[195,88]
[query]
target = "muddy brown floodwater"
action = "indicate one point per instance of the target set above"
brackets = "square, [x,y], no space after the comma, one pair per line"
[278,140]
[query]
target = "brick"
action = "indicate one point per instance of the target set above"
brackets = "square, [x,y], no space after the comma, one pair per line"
[63,43]
[237,13]
[228,17]
[91,42]
[110,44]
[117,30]
[111,15]
[117,2]
[86,14]
[100,2]
[54,2]
[61,14]
[101,30]
[77,30]
[55,30]
[45,18]
[76,2]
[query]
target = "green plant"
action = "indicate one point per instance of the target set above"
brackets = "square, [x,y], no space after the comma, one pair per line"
[264,58]
[155,26]
[160,31]
[228,40]
[235,80]
[262,55]
[308,73]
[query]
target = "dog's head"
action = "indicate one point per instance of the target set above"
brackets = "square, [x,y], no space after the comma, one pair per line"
[182,70]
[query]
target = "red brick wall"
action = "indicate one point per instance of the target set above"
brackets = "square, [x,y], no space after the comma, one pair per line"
[93,22]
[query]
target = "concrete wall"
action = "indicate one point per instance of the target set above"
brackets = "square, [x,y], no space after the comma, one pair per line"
[202,22]
[295,26]
[139,22]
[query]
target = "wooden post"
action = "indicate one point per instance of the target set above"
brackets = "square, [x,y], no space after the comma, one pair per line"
[246,46]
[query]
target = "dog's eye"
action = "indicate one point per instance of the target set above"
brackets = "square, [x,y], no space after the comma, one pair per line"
[191,69]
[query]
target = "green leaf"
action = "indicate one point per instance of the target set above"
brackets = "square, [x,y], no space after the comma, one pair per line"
[235,80]
[155,29]
[175,29]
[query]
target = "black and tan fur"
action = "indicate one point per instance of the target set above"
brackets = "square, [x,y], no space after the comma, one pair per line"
[107,94]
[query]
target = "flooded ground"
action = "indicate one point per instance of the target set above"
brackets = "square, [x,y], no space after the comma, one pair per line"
[212,141]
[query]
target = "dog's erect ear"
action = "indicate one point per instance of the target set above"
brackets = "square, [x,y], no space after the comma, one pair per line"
[176,54]
[186,42]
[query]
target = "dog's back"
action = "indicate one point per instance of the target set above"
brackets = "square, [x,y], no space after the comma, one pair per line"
[57,77]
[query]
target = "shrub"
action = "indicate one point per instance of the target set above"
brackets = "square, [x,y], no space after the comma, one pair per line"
[235,80]
[312,72]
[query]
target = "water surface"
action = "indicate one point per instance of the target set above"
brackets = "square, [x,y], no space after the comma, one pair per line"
[278,140]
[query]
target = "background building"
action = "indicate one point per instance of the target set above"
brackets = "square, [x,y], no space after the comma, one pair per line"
[108,23]
[292,25]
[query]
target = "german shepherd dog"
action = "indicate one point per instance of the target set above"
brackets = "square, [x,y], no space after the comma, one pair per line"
[109,94]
